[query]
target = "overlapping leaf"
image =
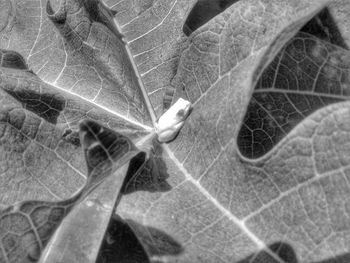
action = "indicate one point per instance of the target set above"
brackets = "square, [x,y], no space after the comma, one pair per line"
[211,207]
[305,76]
[26,227]
[108,155]
[216,205]
[41,155]
[40,144]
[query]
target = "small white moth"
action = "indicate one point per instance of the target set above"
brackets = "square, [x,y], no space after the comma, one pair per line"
[170,123]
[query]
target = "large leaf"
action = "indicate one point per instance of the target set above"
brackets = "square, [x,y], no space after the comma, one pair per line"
[258,172]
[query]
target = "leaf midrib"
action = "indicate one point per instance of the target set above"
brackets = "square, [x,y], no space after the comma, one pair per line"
[139,82]
[114,113]
[138,76]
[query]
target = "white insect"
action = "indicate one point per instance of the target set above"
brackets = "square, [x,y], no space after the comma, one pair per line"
[170,123]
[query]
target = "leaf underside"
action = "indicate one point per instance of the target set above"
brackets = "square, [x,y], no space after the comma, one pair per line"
[306,75]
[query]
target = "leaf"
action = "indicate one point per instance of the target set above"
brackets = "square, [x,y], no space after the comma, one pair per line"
[305,76]
[214,206]
[217,193]
[27,227]
[39,136]
[78,239]
[37,123]
[65,54]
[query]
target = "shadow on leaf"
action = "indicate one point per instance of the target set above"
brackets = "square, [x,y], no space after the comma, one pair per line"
[325,28]
[286,253]
[147,174]
[27,92]
[203,11]
[45,105]
[121,245]
[283,251]
[156,242]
